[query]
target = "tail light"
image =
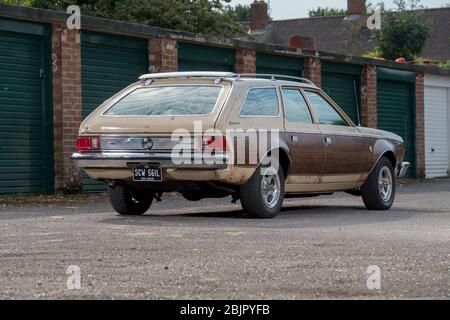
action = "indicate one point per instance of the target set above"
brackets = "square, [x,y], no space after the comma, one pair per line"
[88,143]
[217,143]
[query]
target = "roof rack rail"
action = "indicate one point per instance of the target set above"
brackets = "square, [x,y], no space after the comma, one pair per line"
[276,77]
[221,75]
[193,74]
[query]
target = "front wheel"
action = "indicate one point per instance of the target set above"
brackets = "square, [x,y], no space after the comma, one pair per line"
[129,202]
[262,196]
[378,192]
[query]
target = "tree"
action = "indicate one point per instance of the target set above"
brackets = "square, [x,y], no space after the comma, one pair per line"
[445,65]
[198,16]
[240,13]
[403,32]
[327,12]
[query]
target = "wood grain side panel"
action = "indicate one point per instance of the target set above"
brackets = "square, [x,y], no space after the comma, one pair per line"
[308,152]
[348,155]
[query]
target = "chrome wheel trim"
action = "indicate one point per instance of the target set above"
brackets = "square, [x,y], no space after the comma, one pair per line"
[385,183]
[270,188]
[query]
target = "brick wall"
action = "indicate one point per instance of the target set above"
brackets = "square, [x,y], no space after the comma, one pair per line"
[67,104]
[313,70]
[245,61]
[369,96]
[420,127]
[163,55]
[57,105]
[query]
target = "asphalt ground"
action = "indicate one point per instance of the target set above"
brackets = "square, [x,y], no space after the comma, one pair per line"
[318,248]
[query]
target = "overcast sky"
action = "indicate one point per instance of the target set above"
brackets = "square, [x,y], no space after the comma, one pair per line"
[289,9]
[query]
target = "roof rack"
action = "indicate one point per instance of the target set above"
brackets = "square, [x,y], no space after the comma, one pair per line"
[193,74]
[276,77]
[221,75]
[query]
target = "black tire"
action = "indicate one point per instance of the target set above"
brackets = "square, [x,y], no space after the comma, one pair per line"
[129,202]
[373,193]
[252,196]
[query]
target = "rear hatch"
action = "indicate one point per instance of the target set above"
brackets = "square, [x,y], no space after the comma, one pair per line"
[158,116]
[160,108]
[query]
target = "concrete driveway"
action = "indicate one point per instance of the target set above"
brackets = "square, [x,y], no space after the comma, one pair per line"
[328,247]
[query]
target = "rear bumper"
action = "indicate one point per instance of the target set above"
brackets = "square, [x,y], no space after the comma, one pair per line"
[403,169]
[166,160]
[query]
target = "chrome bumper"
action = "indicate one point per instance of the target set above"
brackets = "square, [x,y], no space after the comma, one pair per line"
[166,160]
[403,169]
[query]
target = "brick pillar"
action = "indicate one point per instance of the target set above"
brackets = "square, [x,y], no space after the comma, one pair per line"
[57,106]
[245,61]
[369,96]
[163,55]
[67,104]
[313,70]
[420,127]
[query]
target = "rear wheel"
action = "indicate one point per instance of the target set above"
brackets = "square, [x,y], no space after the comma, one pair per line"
[378,192]
[129,202]
[262,196]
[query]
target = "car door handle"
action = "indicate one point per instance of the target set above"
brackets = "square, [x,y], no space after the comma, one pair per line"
[328,140]
[294,139]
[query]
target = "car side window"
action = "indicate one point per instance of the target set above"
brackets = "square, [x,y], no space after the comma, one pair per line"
[295,107]
[325,111]
[261,102]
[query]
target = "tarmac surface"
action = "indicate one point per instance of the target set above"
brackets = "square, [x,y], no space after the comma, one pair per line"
[321,248]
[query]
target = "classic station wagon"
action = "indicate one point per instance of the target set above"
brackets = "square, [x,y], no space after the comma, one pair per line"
[256,138]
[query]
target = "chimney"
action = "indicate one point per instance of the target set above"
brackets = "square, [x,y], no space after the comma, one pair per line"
[259,15]
[302,42]
[356,7]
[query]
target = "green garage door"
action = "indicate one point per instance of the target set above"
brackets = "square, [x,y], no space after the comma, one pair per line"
[395,103]
[108,64]
[194,57]
[276,64]
[26,142]
[342,83]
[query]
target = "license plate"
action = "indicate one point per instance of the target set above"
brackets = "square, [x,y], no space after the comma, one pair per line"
[147,173]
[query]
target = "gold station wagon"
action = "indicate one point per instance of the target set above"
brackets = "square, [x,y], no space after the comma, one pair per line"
[256,138]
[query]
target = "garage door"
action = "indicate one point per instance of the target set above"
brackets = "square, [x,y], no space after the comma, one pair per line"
[193,57]
[436,132]
[108,64]
[276,64]
[396,108]
[26,143]
[342,83]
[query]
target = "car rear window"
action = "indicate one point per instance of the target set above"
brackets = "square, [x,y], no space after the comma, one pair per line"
[167,101]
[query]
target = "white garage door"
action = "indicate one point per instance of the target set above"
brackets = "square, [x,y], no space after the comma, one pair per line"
[436,131]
